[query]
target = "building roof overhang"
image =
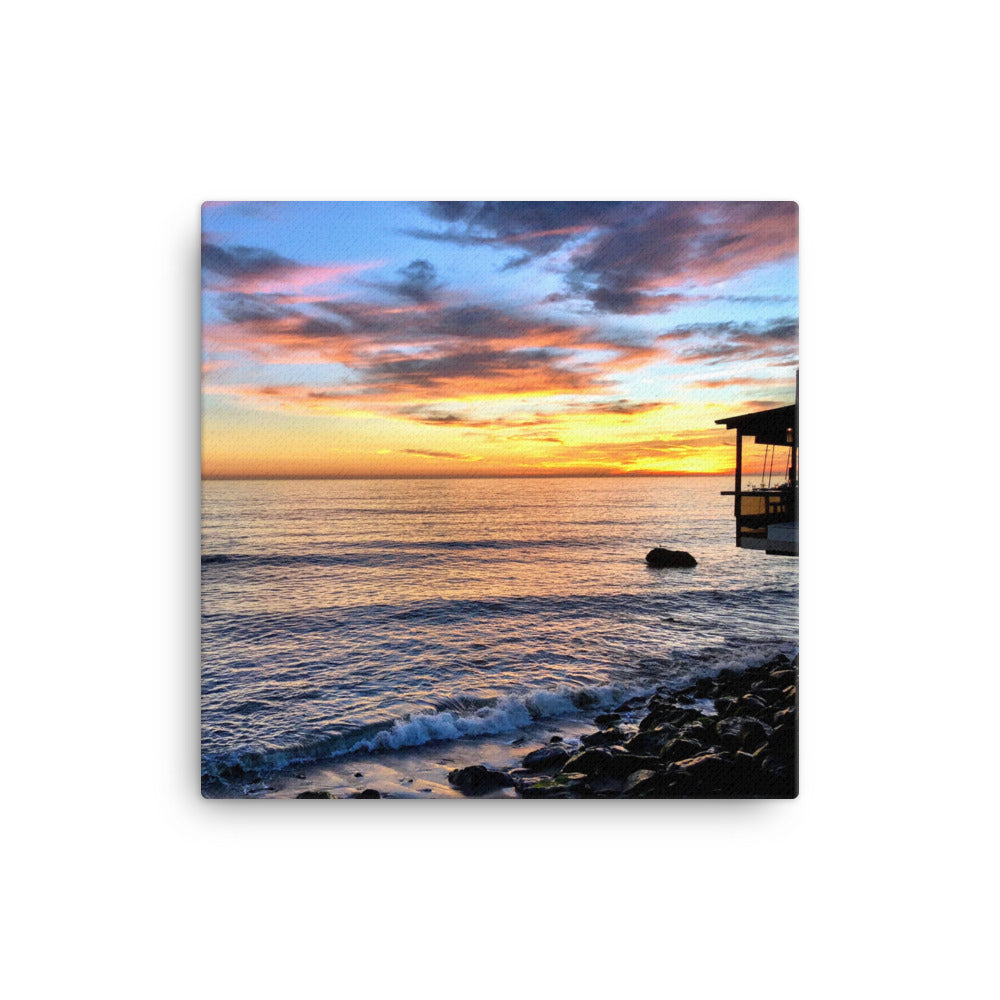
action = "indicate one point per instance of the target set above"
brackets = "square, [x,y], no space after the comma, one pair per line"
[766,426]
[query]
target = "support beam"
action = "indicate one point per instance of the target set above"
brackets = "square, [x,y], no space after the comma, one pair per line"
[739,480]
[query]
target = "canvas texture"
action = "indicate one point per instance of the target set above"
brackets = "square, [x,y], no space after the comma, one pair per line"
[500,500]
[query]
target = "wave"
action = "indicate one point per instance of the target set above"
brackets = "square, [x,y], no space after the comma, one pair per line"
[373,553]
[468,716]
[448,612]
[454,719]
[504,716]
[249,560]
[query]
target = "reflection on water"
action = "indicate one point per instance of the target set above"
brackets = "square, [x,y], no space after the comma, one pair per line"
[333,607]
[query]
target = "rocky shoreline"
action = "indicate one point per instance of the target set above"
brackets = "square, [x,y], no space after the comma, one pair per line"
[731,736]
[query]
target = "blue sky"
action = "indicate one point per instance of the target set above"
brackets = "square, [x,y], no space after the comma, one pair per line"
[491,338]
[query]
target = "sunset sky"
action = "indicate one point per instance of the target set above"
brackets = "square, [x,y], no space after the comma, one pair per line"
[491,338]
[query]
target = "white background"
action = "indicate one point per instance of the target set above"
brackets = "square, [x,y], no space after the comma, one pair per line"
[121,119]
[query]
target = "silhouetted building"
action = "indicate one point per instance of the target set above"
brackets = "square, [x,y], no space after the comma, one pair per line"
[768,517]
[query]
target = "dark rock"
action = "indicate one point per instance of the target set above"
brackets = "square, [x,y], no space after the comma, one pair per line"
[726,705]
[659,558]
[607,719]
[660,702]
[704,687]
[648,784]
[605,787]
[548,788]
[685,716]
[738,732]
[314,795]
[767,690]
[546,757]
[751,705]
[589,761]
[479,780]
[711,775]
[653,720]
[779,775]
[637,777]
[680,749]
[358,774]
[671,714]
[700,730]
[368,793]
[556,739]
[624,764]
[604,738]
[784,716]
[632,704]
[606,764]
[784,738]
[651,741]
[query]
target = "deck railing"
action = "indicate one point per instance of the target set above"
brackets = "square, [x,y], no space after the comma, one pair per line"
[756,509]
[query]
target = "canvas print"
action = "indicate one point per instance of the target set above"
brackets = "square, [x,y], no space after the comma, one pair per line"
[499,500]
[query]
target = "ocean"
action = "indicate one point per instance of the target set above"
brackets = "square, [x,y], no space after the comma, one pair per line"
[346,623]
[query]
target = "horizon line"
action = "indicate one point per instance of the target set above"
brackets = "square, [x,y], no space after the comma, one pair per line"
[522,475]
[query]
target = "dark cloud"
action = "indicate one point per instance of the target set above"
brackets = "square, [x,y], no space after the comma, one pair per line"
[438,454]
[537,368]
[735,381]
[712,343]
[535,227]
[616,300]
[243,262]
[418,282]
[514,262]
[623,253]
[674,244]
[444,418]
[240,307]
[449,211]
[622,407]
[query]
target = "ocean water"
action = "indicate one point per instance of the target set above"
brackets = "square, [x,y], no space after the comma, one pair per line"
[352,617]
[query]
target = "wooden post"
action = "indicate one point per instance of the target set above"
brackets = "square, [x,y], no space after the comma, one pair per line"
[739,480]
[794,474]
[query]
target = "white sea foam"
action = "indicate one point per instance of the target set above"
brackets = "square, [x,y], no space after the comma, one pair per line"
[507,715]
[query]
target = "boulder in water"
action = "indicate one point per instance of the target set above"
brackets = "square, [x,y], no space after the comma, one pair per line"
[546,757]
[479,780]
[669,558]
